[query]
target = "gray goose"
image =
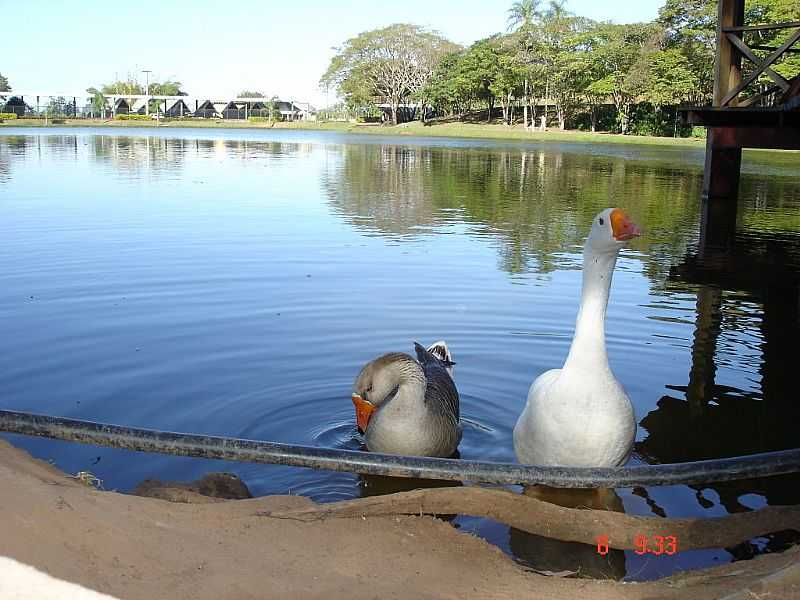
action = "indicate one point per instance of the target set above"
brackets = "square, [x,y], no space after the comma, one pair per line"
[409,406]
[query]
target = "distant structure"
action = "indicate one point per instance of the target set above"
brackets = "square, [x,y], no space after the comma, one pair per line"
[211,107]
[769,119]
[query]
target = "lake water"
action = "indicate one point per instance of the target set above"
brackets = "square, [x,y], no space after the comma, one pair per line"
[234,282]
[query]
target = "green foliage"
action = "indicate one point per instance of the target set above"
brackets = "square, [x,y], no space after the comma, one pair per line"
[166,88]
[133,87]
[129,86]
[4,86]
[573,66]
[249,94]
[774,11]
[389,65]
[523,14]
[4,115]
[669,78]
[60,107]
[690,28]
[617,52]
[133,117]
[97,100]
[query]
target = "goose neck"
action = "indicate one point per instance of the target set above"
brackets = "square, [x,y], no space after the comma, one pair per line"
[589,343]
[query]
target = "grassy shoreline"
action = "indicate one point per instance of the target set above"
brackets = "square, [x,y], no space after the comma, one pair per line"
[414,129]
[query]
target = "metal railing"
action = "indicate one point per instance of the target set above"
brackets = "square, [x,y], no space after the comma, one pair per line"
[234,449]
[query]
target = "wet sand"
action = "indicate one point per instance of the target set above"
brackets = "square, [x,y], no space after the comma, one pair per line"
[140,547]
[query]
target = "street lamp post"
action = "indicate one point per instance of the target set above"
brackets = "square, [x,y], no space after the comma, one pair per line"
[147,92]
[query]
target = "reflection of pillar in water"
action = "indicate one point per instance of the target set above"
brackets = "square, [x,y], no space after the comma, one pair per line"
[717,224]
[707,329]
[780,330]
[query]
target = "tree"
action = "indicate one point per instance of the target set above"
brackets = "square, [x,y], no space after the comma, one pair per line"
[129,86]
[60,107]
[248,94]
[775,11]
[507,82]
[97,100]
[441,90]
[670,79]
[389,64]
[134,88]
[167,88]
[616,50]
[4,86]
[274,109]
[565,65]
[478,70]
[523,13]
[523,18]
[691,28]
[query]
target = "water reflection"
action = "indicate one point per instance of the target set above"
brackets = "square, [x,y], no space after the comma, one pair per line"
[717,420]
[138,157]
[537,203]
[570,558]
[380,485]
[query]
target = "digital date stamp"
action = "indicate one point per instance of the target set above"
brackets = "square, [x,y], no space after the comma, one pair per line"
[656,545]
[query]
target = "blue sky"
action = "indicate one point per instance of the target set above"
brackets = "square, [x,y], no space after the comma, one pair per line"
[222,47]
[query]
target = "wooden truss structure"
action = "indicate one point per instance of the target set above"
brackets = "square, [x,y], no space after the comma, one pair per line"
[734,122]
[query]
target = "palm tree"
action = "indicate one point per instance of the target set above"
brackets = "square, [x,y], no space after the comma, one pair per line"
[557,10]
[98,101]
[523,13]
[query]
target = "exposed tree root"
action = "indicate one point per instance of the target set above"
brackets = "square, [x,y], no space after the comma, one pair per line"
[553,521]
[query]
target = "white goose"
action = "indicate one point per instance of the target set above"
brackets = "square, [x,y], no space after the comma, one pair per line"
[580,415]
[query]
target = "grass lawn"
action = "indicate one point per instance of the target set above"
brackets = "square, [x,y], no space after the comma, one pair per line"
[460,130]
[517,132]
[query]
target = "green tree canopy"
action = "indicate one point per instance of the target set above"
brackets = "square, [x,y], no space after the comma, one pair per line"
[616,51]
[523,14]
[166,88]
[4,86]
[669,78]
[96,99]
[248,94]
[133,87]
[386,65]
[128,86]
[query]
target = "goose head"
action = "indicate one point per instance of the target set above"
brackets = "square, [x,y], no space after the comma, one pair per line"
[611,230]
[378,382]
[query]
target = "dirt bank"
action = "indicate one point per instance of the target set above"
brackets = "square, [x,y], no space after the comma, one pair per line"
[135,547]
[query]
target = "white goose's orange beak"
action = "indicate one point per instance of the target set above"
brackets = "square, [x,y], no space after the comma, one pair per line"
[364,410]
[624,229]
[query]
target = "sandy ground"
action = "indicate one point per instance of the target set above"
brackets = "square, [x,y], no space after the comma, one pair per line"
[136,547]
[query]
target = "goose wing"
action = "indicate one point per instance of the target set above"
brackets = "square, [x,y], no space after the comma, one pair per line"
[440,393]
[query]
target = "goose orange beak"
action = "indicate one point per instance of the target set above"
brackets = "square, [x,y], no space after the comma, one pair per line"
[624,229]
[364,410]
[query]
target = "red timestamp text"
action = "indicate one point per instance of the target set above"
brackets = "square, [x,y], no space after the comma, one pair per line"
[655,544]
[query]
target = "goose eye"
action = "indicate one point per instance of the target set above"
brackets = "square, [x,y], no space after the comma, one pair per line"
[600,220]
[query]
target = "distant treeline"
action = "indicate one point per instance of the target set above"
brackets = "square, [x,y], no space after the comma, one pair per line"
[551,67]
